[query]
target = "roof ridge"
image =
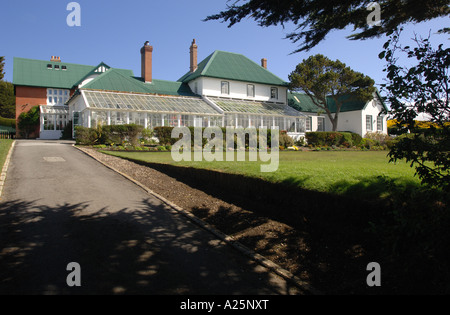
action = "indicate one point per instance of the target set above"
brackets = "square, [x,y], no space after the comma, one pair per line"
[55,62]
[208,64]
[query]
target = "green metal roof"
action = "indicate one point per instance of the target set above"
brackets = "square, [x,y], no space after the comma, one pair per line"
[231,66]
[303,103]
[116,80]
[38,73]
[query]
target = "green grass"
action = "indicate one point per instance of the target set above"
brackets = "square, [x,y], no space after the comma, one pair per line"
[4,149]
[368,173]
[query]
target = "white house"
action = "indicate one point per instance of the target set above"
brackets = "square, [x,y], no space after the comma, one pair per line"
[224,89]
[355,116]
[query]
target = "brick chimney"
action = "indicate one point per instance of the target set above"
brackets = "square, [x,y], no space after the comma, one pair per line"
[146,62]
[264,63]
[55,59]
[194,64]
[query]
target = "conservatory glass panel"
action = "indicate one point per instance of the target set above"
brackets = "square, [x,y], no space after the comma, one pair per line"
[107,100]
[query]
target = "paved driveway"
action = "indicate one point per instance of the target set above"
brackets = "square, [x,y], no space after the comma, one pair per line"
[61,206]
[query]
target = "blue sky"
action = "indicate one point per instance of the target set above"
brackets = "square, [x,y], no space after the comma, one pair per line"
[114,31]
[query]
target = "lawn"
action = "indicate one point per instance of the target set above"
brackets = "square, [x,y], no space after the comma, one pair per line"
[4,149]
[368,173]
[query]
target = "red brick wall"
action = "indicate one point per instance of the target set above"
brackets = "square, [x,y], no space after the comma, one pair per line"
[28,97]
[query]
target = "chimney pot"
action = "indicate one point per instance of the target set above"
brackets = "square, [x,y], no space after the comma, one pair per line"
[264,63]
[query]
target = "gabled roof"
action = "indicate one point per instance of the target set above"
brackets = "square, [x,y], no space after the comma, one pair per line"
[42,73]
[231,66]
[117,80]
[303,103]
[101,68]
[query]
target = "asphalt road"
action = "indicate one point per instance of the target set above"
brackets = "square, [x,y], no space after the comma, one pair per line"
[61,206]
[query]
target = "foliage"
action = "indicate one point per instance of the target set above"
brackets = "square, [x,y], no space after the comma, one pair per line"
[285,140]
[7,100]
[164,135]
[421,89]
[317,18]
[67,132]
[379,137]
[8,122]
[113,134]
[120,133]
[28,122]
[321,78]
[86,136]
[324,138]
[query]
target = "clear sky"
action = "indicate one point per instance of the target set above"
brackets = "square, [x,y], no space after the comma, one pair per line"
[114,31]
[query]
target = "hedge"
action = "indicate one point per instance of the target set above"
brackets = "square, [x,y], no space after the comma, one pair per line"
[323,138]
[113,134]
[8,122]
[164,135]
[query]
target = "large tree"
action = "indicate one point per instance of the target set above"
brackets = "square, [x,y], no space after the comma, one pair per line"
[7,100]
[321,78]
[423,88]
[314,19]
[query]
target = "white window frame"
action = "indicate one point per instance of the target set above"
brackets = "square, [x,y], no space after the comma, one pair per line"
[320,119]
[57,96]
[369,123]
[272,90]
[225,87]
[250,90]
[380,123]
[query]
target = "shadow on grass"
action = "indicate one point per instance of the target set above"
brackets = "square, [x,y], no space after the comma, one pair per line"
[333,236]
[139,250]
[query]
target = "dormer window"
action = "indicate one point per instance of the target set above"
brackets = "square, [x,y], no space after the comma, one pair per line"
[225,88]
[63,67]
[49,66]
[56,67]
[274,93]
[250,90]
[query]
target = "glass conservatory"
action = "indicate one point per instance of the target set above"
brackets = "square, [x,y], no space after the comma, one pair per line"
[113,108]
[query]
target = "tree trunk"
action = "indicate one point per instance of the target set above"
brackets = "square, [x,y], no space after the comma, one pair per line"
[334,123]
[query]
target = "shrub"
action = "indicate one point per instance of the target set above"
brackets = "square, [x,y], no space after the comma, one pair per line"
[323,138]
[164,135]
[29,122]
[286,141]
[86,136]
[378,137]
[120,133]
[8,122]
[356,139]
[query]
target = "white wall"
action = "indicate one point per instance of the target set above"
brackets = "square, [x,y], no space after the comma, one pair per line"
[350,121]
[373,109]
[238,89]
